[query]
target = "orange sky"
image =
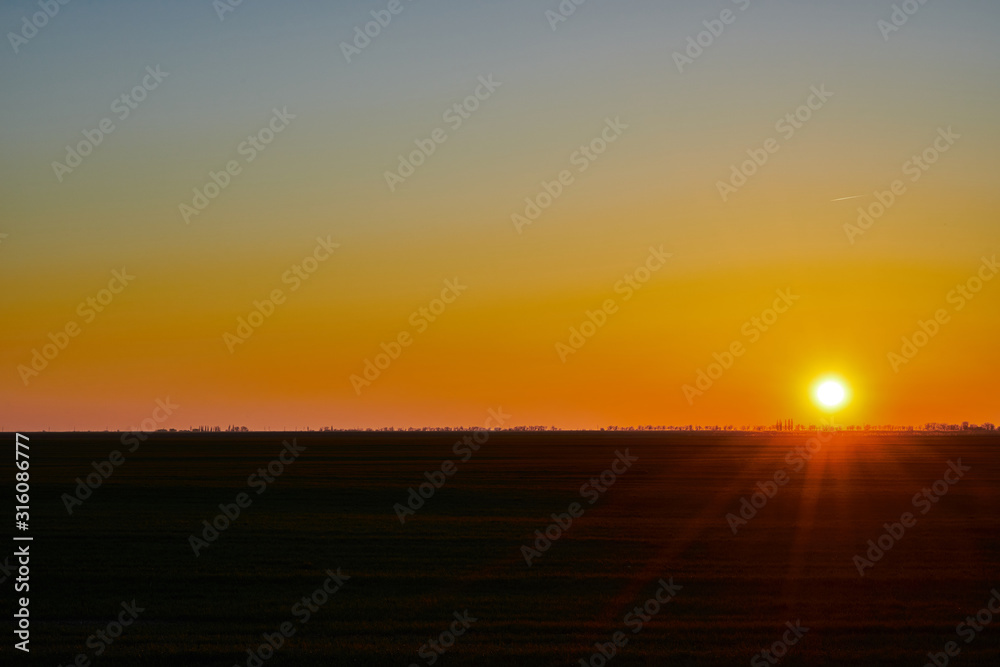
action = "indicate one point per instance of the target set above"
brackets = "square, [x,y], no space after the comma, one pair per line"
[593,123]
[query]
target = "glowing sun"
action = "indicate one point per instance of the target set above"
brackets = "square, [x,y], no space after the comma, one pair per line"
[830,393]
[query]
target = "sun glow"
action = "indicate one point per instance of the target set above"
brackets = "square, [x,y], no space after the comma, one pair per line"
[830,393]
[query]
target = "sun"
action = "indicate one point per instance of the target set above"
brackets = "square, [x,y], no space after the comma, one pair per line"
[831,393]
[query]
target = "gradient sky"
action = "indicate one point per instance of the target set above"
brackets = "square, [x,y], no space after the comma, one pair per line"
[495,346]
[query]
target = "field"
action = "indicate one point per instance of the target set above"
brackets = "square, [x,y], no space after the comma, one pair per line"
[663,517]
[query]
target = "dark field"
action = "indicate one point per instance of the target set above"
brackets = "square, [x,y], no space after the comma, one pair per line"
[665,517]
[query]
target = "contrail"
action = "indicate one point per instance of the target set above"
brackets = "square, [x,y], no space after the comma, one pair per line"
[845,198]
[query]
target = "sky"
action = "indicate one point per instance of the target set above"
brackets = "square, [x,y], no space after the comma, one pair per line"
[623,195]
